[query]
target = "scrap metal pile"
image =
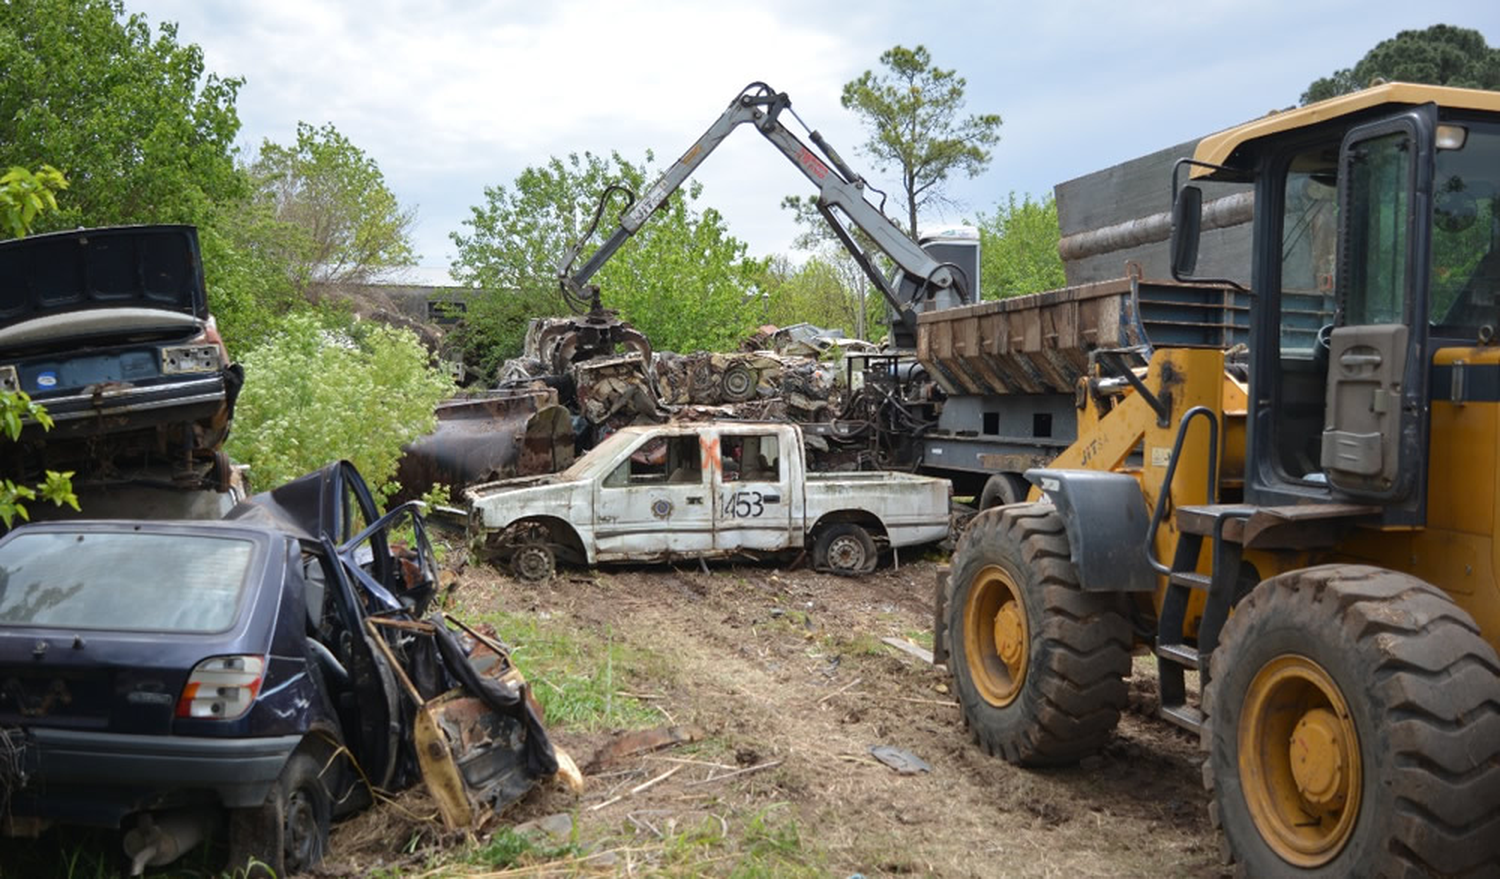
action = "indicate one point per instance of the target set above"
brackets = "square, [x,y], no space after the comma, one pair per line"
[782,376]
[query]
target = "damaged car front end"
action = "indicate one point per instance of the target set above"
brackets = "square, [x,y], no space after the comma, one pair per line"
[255,677]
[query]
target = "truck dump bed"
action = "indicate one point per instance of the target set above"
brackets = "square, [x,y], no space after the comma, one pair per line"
[1040,344]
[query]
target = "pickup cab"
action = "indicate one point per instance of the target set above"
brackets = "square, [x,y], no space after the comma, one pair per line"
[702,490]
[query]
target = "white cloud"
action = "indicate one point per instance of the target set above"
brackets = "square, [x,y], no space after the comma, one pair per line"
[450,96]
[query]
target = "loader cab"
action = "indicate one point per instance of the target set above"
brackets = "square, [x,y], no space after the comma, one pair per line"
[1373,221]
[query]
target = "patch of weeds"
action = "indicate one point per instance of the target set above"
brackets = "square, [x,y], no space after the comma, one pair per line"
[919,636]
[507,848]
[773,848]
[696,843]
[576,675]
[861,644]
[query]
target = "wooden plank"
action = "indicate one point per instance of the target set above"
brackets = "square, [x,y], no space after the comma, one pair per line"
[906,646]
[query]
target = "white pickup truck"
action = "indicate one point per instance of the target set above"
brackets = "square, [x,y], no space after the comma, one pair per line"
[701,490]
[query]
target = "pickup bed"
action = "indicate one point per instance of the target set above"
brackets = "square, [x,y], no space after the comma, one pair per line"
[702,490]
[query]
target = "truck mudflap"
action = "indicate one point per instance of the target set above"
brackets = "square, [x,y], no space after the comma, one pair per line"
[477,730]
[1110,550]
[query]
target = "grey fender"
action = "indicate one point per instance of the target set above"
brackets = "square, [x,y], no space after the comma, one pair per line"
[1105,516]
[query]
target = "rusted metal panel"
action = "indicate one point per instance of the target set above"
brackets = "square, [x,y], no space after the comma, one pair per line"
[497,435]
[472,757]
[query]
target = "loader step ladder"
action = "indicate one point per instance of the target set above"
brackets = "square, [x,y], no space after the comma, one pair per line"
[1175,657]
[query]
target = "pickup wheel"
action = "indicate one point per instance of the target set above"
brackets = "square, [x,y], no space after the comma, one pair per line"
[1038,664]
[845,549]
[288,834]
[533,562]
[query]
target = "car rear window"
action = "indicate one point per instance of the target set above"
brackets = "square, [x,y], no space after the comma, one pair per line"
[126,581]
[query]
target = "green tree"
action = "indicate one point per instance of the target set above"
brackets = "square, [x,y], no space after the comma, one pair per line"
[24,198]
[913,112]
[817,291]
[1440,55]
[683,280]
[322,392]
[350,224]
[1018,248]
[143,133]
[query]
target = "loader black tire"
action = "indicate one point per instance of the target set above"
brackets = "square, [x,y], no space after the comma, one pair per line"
[1394,701]
[1014,594]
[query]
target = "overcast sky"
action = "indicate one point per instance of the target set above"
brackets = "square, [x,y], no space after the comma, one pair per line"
[450,96]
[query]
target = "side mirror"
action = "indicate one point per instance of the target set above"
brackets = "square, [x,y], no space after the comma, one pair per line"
[1187,222]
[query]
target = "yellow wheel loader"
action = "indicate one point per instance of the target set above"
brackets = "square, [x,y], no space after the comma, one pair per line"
[1302,530]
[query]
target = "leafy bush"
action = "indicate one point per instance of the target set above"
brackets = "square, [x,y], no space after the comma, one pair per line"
[316,393]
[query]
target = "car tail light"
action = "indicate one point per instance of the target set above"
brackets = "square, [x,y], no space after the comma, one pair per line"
[222,688]
[182,359]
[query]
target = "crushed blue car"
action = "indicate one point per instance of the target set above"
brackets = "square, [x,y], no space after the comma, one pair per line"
[254,677]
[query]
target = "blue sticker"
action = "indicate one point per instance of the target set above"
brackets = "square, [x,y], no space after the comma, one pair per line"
[46,379]
[661,508]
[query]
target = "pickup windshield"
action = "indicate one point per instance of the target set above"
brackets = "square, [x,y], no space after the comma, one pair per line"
[126,581]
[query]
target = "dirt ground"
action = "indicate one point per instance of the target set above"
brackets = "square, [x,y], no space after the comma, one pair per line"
[782,673]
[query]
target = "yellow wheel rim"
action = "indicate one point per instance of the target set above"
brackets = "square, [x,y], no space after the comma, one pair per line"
[1299,761]
[996,639]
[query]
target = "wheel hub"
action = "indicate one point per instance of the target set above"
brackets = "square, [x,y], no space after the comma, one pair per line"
[1010,629]
[996,638]
[533,562]
[1318,757]
[846,554]
[1299,761]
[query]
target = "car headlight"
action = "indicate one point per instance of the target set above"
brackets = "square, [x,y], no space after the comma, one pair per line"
[180,359]
[9,381]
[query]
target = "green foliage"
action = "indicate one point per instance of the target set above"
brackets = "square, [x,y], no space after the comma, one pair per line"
[1440,55]
[341,222]
[575,675]
[508,848]
[1018,248]
[15,408]
[143,134]
[682,279]
[912,111]
[26,195]
[316,393]
[825,291]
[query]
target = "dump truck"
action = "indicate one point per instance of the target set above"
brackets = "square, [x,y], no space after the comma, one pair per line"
[1305,537]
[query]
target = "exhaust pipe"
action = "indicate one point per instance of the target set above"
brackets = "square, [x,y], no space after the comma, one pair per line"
[160,839]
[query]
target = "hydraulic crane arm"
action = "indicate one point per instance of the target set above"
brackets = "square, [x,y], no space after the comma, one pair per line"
[838,187]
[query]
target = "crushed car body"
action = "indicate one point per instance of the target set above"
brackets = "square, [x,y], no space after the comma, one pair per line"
[110,330]
[256,676]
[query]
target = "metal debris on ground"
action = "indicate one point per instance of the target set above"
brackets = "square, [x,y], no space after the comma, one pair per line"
[904,762]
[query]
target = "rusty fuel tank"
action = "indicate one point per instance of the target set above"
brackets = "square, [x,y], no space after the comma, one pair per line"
[488,436]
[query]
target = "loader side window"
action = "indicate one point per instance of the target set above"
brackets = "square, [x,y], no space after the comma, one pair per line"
[1466,236]
[1309,246]
[1378,240]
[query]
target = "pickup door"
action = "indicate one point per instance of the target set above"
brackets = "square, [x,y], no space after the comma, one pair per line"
[753,496]
[657,500]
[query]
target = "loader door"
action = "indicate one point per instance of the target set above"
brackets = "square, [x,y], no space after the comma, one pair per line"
[1375,424]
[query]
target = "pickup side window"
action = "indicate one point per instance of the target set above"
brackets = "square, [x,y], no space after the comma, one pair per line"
[673,460]
[753,458]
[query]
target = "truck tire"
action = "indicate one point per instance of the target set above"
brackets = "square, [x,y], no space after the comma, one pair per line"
[288,834]
[1038,664]
[846,549]
[1353,729]
[1003,488]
